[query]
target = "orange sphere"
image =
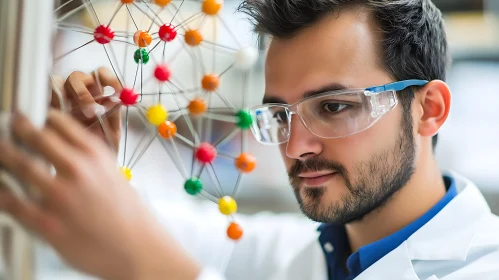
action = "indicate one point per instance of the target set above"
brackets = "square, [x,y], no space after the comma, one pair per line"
[167,129]
[234,231]
[193,37]
[210,82]
[142,38]
[162,3]
[197,106]
[211,7]
[245,162]
[127,1]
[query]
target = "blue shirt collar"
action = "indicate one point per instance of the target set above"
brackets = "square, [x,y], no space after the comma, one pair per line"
[367,255]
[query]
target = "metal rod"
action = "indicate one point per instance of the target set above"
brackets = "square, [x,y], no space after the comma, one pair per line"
[238,183]
[178,156]
[213,176]
[227,137]
[126,134]
[130,13]
[223,118]
[227,69]
[225,100]
[225,155]
[71,13]
[62,6]
[143,151]
[178,9]
[119,6]
[113,55]
[208,196]
[139,143]
[209,122]
[145,13]
[177,164]
[112,66]
[73,50]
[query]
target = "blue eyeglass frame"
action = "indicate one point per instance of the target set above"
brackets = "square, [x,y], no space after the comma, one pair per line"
[397,86]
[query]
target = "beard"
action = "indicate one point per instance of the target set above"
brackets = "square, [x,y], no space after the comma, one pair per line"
[377,180]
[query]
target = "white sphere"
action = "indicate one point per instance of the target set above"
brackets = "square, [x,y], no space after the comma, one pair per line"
[246,58]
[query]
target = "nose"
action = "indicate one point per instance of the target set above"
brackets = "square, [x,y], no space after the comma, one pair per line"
[302,144]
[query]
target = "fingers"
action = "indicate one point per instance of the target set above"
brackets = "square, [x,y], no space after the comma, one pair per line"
[60,142]
[77,88]
[87,94]
[70,130]
[25,169]
[47,142]
[29,215]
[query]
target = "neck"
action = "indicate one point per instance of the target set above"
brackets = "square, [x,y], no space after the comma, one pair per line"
[422,192]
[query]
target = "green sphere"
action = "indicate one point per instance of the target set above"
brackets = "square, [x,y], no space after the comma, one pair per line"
[137,56]
[193,186]
[244,119]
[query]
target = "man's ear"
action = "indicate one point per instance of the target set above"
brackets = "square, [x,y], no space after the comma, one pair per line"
[434,100]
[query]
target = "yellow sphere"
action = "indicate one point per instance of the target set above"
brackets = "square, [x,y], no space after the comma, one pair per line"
[157,114]
[126,172]
[227,205]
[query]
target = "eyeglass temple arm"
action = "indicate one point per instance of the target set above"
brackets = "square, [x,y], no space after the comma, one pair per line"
[396,86]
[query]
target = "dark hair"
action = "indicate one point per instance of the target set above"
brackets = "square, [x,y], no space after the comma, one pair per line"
[414,42]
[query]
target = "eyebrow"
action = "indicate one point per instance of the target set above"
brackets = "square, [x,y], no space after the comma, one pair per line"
[334,86]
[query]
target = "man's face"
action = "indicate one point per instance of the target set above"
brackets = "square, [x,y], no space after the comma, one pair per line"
[339,180]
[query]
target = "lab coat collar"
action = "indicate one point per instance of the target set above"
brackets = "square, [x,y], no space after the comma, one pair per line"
[456,225]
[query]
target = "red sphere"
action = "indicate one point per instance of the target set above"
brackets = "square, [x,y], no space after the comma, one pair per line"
[103,34]
[128,96]
[167,33]
[162,73]
[206,153]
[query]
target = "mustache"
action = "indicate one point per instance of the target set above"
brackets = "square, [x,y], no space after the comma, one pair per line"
[315,164]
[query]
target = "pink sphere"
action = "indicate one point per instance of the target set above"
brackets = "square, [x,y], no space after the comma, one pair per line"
[162,73]
[167,33]
[103,34]
[128,97]
[206,153]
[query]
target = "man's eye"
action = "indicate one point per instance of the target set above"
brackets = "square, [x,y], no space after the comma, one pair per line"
[332,107]
[281,117]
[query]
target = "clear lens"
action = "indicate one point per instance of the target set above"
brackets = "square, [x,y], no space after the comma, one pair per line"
[327,116]
[271,124]
[335,115]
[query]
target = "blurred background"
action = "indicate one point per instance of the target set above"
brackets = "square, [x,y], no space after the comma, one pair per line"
[468,142]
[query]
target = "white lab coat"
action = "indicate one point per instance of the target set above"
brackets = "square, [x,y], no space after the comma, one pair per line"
[460,242]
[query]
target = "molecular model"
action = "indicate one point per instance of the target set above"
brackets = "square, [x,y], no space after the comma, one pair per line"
[169,26]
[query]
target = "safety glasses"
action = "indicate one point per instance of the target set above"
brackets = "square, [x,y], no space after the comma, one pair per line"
[332,114]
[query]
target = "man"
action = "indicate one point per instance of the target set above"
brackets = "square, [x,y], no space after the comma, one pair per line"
[355,94]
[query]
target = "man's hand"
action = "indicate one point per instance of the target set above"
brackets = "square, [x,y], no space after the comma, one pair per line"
[87,211]
[83,96]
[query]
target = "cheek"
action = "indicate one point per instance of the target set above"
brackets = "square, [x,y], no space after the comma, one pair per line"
[361,147]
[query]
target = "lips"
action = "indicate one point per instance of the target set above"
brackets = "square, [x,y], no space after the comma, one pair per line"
[314,179]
